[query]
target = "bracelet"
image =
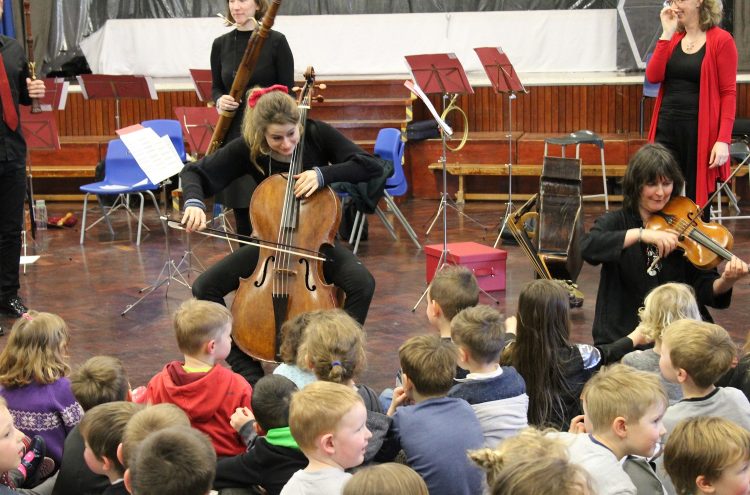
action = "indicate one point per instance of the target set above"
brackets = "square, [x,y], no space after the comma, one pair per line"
[640,234]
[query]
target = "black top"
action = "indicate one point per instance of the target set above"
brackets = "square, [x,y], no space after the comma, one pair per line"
[339,159]
[624,283]
[12,144]
[682,84]
[74,475]
[275,66]
[269,466]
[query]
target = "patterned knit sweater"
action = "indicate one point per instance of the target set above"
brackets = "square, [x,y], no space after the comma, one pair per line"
[47,410]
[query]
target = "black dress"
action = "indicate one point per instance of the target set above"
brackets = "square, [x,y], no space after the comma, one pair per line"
[275,66]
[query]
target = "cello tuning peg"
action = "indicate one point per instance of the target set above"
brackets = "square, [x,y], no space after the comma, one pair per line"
[319,98]
[321,86]
[296,89]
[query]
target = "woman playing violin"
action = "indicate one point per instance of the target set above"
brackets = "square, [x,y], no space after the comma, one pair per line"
[635,259]
[270,133]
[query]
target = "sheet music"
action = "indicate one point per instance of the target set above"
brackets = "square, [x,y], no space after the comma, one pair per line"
[155,155]
[414,88]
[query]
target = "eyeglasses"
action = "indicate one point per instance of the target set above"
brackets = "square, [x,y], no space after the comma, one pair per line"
[669,3]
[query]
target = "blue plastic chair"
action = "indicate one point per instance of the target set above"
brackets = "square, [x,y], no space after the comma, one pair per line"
[122,176]
[171,128]
[389,146]
[650,90]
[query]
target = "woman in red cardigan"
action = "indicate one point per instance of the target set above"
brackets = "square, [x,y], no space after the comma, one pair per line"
[696,63]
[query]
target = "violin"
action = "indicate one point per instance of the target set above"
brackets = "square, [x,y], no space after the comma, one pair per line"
[705,244]
[285,283]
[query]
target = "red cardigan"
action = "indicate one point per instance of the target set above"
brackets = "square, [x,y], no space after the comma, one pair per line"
[717,102]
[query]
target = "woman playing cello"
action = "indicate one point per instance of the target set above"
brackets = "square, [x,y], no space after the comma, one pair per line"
[270,134]
[628,252]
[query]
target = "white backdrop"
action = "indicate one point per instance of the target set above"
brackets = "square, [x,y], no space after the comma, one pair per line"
[559,41]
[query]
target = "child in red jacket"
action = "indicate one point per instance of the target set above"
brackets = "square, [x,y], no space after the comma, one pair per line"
[208,392]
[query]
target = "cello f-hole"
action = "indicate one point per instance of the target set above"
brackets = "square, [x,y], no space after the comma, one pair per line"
[262,280]
[308,275]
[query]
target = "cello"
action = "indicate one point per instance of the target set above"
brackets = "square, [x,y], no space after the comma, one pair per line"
[285,284]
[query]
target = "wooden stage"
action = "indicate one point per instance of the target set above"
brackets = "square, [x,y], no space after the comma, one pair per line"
[90,285]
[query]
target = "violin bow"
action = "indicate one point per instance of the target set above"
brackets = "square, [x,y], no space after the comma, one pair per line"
[242,239]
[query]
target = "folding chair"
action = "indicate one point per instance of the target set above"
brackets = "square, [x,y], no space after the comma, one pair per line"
[122,176]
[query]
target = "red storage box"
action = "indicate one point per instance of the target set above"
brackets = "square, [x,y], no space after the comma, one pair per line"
[488,264]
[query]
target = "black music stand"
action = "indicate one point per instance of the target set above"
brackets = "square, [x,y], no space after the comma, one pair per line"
[439,73]
[96,86]
[504,80]
[203,82]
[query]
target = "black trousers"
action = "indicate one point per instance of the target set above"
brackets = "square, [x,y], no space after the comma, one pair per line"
[681,138]
[344,270]
[12,195]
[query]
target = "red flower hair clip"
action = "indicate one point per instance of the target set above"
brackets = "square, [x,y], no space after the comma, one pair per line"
[255,95]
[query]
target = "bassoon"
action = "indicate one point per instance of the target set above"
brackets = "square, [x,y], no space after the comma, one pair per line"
[244,72]
[35,106]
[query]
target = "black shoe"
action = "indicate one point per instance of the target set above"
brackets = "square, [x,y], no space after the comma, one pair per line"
[13,306]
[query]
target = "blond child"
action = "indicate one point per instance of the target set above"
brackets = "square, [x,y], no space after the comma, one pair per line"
[100,380]
[102,428]
[528,444]
[390,478]
[292,335]
[708,455]
[175,461]
[496,393]
[334,350]
[434,431]
[208,392]
[143,423]
[623,410]
[695,354]
[33,375]
[328,421]
[11,445]
[663,305]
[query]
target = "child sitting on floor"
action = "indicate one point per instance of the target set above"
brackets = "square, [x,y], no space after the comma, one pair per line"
[334,349]
[273,456]
[207,391]
[695,354]
[292,335]
[102,429]
[174,461]
[101,379]
[663,305]
[434,431]
[708,455]
[328,422]
[33,374]
[496,393]
[390,478]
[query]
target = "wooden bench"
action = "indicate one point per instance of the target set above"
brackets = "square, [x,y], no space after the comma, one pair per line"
[461,170]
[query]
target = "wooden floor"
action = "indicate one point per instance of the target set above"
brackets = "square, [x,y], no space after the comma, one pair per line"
[90,285]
